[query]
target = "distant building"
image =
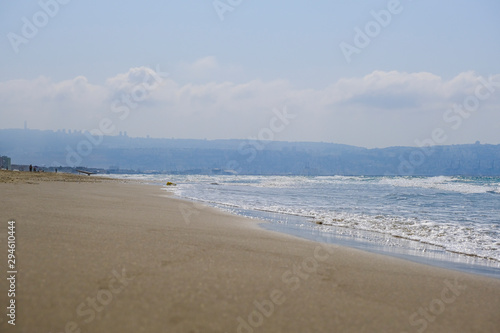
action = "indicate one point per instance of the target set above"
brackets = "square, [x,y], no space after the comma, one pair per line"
[5,163]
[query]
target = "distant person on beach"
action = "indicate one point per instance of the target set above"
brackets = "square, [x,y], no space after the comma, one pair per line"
[31,168]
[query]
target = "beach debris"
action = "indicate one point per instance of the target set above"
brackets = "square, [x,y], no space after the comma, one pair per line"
[171,184]
[88,173]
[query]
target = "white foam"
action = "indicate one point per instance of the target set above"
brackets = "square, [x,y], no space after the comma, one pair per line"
[440,183]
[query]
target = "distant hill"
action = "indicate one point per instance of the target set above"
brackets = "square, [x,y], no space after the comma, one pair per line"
[49,148]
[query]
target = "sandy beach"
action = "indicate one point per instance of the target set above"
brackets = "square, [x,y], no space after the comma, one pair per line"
[97,255]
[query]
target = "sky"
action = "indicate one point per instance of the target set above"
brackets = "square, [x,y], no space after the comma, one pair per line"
[365,73]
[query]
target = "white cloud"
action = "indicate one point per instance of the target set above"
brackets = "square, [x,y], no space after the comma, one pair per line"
[379,109]
[135,76]
[205,64]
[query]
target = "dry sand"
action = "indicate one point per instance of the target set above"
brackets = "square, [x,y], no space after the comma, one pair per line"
[104,256]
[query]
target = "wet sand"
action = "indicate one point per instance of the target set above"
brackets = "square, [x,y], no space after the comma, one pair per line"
[96,255]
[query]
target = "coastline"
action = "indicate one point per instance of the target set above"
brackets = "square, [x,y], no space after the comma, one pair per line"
[463,235]
[373,242]
[151,262]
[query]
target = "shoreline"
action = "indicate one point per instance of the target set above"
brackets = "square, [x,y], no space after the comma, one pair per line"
[406,249]
[151,262]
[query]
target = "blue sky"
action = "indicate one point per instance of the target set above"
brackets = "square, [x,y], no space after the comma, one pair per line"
[225,77]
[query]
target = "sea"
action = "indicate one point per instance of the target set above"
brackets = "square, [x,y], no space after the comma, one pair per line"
[451,222]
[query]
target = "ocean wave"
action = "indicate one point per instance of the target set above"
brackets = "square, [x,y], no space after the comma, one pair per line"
[454,237]
[455,222]
[442,183]
[465,238]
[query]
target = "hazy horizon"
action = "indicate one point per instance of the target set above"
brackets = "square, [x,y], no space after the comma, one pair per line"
[125,134]
[377,74]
